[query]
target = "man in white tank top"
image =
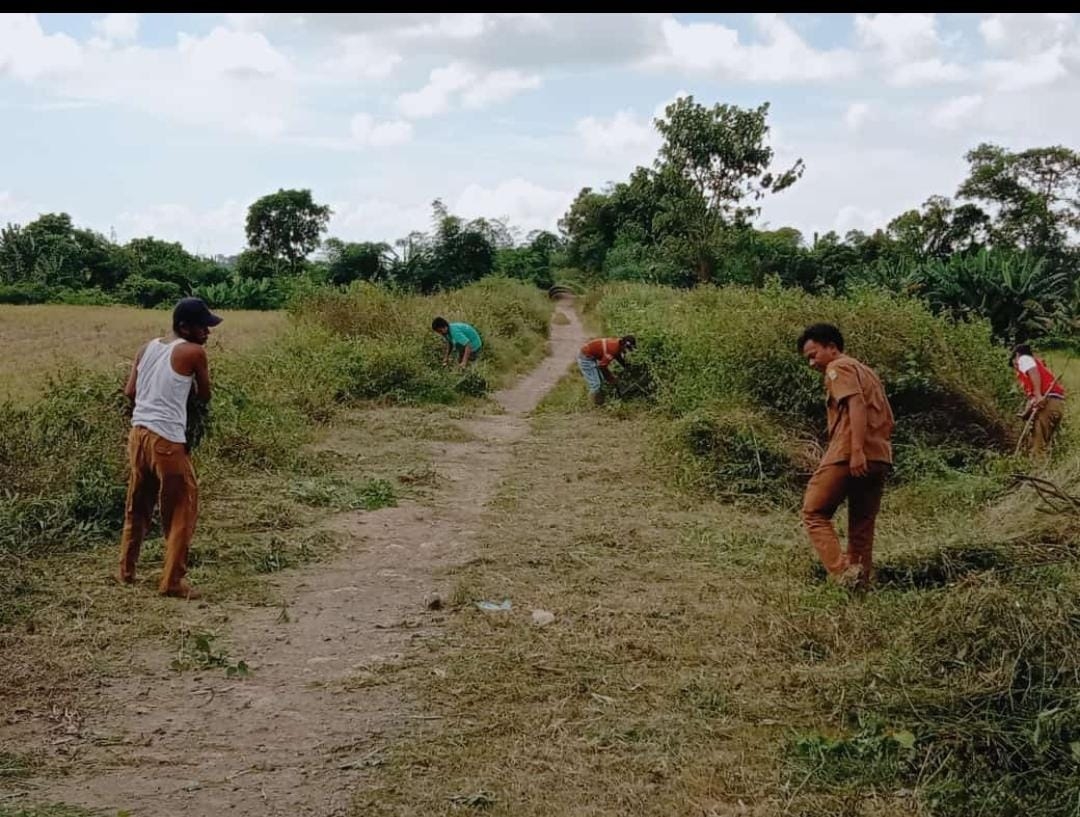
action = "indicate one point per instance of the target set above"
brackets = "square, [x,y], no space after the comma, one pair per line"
[160,382]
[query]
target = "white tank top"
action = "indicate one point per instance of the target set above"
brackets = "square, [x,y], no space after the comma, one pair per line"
[161,394]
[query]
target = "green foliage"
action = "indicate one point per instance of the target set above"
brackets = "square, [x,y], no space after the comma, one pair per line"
[25,293]
[718,357]
[1020,295]
[874,755]
[63,459]
[169,261]
[735,452]
[366,261]
[342,495]
[243,293]
[286,226]
[197,651]
[530,262]
[721,157]
[1036,193]
[149,292]
[385,346]
[455,254]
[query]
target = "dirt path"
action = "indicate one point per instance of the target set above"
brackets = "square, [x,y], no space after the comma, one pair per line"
[294,737]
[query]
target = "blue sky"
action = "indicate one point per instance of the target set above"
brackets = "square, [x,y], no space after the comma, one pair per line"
[171,125]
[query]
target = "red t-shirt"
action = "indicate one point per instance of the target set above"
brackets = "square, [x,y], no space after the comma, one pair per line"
[1024,365]
[602,350]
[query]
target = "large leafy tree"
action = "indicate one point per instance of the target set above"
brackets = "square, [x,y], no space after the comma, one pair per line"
[348,261]
[721,156]
[286,227]
[1035,194]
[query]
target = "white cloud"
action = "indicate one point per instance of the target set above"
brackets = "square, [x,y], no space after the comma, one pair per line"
[993,30]
[498,86]
[623,133]
[435,97]
[661,109]
[238,54]
[956,112]
[1030,50]
[360,56]
[1026,72]
[457,82]
[782,56]
[28,53]
[118,27]
[367,131]
[449,26]
[927,72]
[899,38]
[856,115]
[834,193]
[377,219]
[317,84]
[524,203]
[207,232]
[1026,34]
[63,105]
[526,41]
[11,208]
[851,217]
[236,81]
[248,21]
[908,47]
[262,125]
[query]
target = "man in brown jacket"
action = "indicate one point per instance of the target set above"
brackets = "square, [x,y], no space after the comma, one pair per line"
[857,460]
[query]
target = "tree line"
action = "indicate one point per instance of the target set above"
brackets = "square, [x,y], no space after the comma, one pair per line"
[1003,247]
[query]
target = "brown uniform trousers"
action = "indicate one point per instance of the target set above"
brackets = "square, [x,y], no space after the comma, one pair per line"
[1045,424]
[828,487]
[162,474]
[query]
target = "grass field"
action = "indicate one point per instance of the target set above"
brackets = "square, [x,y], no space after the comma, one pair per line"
[37,340]
[697,662]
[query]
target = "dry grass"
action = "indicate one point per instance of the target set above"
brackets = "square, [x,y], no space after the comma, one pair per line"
[58,810]
[560,319]
[69,621]
[668,682]
[37,340]
[698,664]
[693,640]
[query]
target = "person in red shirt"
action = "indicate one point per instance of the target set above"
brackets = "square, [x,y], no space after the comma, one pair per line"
[594,359]
[1045,398]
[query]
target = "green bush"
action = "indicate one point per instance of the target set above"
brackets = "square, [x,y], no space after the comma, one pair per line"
[712,350]
[24,293]
[384,345]
[737,452]
[243,293]
[82,297]
[63,458]
[148,292]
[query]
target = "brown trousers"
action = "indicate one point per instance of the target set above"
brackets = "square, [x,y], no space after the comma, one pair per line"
[162,474]
[828,487]
[1046,423]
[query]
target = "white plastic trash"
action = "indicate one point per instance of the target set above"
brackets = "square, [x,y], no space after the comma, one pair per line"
[492,607]
[542,618]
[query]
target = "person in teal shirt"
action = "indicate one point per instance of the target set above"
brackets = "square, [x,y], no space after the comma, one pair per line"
[461,336]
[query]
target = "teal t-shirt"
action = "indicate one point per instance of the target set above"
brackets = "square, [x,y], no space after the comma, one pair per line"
[462,333]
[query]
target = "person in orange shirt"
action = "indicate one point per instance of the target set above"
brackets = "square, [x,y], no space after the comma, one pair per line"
[594,359]
[857,460]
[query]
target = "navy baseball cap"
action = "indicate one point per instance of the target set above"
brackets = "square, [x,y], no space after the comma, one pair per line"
[195,312]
